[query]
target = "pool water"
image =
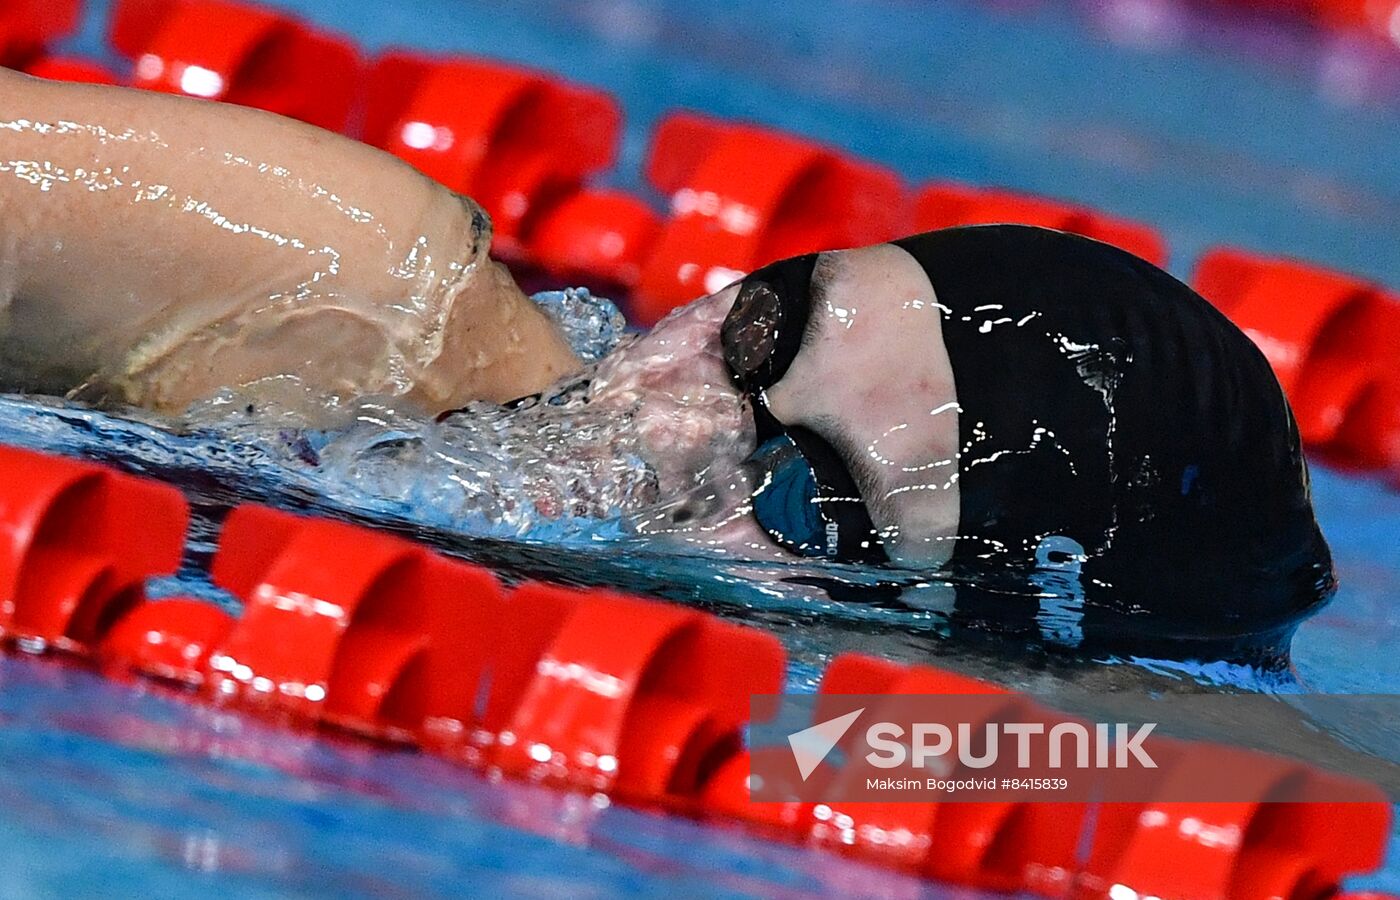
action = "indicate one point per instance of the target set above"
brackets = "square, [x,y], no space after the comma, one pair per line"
[1275,139]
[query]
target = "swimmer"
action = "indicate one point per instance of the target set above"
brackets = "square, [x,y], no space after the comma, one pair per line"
[1077,442]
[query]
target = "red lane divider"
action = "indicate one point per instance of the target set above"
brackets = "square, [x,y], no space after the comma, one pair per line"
[351,627]
[1332,339]
[171,640]
[629,695]
[515,140]
[1284,306]
[1370,436]
[601,236]
[28,26]
[1301,848]
[945,204]
[62,68]
[240,53]
[77,542]
[346,627]
[742,196]
[1376,16]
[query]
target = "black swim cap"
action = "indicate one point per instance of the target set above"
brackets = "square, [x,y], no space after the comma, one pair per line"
[1115,427]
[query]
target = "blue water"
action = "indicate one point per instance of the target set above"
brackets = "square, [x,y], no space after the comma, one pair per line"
[1270,138]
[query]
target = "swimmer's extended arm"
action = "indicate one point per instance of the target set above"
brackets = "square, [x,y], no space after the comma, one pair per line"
[155,248]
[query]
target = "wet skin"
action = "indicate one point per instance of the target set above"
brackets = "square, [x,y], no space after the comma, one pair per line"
[155,249]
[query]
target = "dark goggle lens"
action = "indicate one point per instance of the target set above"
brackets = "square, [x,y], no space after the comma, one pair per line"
[750,331]
[763,331]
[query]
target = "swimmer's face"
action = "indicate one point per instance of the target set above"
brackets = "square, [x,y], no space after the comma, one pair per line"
[835,370]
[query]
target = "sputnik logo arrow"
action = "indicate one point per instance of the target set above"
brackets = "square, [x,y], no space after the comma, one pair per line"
[811,745]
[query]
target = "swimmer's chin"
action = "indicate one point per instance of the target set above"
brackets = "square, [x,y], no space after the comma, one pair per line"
[735,536]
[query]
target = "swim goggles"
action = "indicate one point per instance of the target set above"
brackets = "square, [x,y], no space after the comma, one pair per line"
[805,498]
